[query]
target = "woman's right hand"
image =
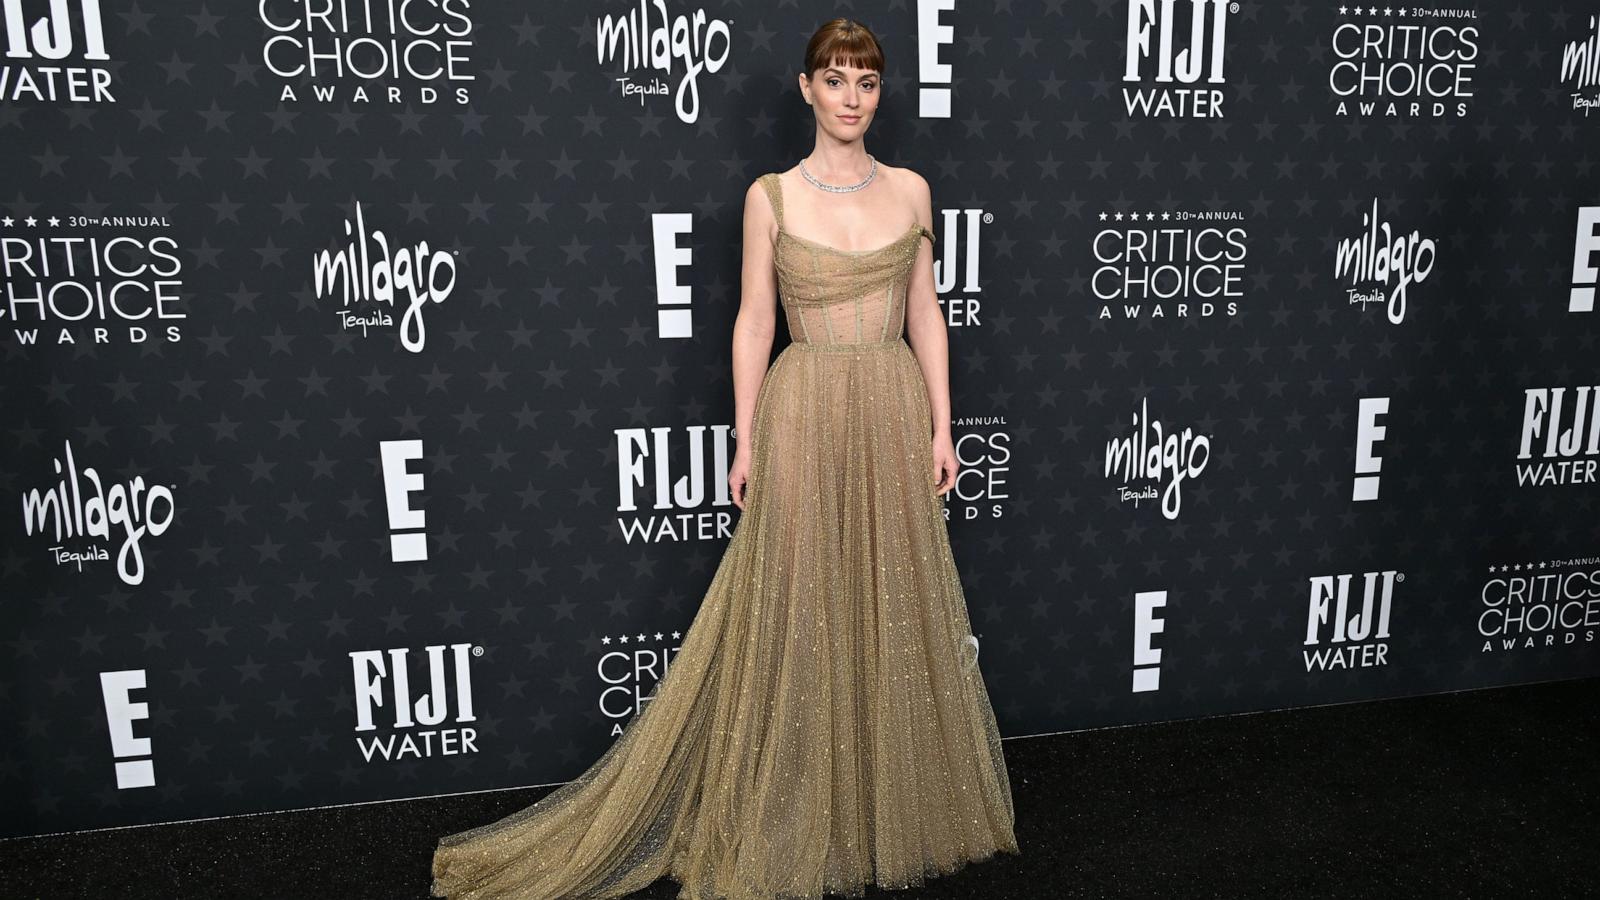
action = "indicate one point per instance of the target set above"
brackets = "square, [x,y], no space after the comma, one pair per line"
[738,476]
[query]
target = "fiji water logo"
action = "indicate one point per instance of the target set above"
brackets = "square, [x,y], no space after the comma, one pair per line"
[645,40]
[1185,48]
[394,723]
[68,34]
[1344,631]
[672,483]
[90,511]
[1560,439]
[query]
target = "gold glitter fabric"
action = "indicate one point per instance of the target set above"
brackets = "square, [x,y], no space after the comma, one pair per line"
[824,725]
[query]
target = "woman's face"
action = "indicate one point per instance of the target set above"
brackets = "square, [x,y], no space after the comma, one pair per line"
[844,99]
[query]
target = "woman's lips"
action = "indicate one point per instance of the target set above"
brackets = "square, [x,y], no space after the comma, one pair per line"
[851,119]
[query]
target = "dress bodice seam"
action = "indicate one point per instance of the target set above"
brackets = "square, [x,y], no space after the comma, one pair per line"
[913,228]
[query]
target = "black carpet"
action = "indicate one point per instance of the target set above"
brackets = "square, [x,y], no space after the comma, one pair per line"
[1480,794]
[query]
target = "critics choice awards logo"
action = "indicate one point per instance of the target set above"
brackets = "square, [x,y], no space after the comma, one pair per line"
[1539,605]
[100,280]
[47,46]
[337,49]
[630,668]
[983,460]
[662,44]
[1412,61]
[1172,264]
[83,512]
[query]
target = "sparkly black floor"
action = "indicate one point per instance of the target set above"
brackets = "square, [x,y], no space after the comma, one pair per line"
[1487,793]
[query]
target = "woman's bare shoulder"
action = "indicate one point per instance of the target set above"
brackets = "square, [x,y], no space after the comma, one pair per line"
[908,183]
[905,175]
[912,189]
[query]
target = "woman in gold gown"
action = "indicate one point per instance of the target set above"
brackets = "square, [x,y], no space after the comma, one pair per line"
[824,725]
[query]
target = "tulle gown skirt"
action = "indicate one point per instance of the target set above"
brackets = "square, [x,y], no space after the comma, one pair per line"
[824,724]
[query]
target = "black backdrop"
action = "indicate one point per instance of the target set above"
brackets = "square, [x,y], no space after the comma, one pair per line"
[1272,363]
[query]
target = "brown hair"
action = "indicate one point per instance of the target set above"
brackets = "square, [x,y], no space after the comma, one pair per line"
[843,41]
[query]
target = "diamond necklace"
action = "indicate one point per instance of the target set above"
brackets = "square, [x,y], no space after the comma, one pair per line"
[841,189]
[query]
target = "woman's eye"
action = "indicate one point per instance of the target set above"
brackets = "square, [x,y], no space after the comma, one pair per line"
[833,82]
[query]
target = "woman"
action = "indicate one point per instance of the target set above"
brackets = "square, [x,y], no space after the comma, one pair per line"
[824,725]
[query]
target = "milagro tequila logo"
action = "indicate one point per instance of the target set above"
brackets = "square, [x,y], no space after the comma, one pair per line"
[1185,50]
[61,34]
[410,726]
[369,271]
[1539,604]
[1404,61]
[1561,434]
[662,42]
[82,512]
[98,279]
[1580,68]
[1381,265]
[647,460]
[1176,263]
[402,45]
[1151,455]
[1347,635]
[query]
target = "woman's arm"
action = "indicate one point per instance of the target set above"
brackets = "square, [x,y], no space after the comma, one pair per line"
[925,321]
[756,323]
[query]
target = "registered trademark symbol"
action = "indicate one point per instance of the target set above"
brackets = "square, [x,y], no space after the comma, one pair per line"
[1233,7]
[478,650]
[988,218]
[1400,576]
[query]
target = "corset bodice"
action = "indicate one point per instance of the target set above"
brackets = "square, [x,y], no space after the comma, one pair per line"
[833,296]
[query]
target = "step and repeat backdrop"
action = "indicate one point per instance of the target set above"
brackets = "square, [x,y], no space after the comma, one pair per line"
[367,392]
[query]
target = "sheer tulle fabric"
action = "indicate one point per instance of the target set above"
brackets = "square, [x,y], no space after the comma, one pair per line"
[824,725]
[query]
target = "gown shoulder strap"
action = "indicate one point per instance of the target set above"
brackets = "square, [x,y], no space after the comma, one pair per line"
[774,189]
[926,233]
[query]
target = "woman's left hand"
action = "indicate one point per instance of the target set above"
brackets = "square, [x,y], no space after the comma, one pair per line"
[945,467]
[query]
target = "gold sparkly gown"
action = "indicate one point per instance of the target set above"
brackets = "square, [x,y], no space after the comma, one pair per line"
[824,724]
